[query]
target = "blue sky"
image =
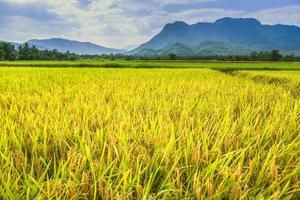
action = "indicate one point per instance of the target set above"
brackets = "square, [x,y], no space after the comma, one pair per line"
[244,5]
[123,23]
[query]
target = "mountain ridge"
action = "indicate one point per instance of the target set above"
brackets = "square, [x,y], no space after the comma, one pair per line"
[248,34]
[73,46]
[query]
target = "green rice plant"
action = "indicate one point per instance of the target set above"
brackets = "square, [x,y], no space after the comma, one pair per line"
[178,64]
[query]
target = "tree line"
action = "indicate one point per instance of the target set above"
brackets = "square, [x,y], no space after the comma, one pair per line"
[273,55]
[26,52]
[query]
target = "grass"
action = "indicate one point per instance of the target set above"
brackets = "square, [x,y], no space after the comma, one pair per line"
[104,133]
[216,65]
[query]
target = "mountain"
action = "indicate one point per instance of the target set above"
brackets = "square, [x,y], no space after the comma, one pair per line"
[131,47]
[64,45]
[223,37]
[206,48]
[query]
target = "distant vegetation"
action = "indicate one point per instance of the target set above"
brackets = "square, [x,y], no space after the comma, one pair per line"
[26,52]
[8,52]
[273,55]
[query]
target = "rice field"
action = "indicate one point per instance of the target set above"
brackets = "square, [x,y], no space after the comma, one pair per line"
[288,76]
[290,80]
[105,133]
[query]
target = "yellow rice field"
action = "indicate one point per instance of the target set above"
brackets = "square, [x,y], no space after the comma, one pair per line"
[92,133]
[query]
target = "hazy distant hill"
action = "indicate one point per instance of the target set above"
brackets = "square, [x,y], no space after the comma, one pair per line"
[77,47]
[223,37]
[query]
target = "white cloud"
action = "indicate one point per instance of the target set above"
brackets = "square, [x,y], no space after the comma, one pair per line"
[284,15]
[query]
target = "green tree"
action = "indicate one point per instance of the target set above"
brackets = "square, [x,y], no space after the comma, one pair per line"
[2,52]
[34,53]
[112,57]
[254,56]
[172,56]
[24,52]
[263,56]
[7,51]
[275,55]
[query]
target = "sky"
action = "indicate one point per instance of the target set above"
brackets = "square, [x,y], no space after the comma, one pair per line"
[127,23]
